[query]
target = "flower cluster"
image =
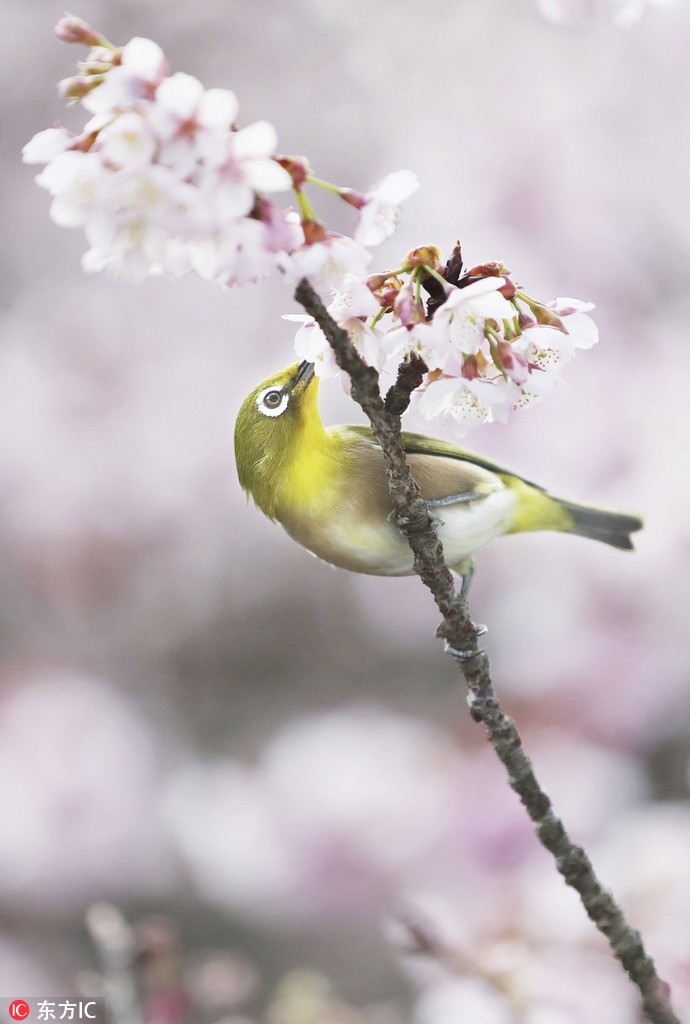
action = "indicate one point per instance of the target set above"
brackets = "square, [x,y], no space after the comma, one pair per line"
[487,346]
[163,180]
[160,177]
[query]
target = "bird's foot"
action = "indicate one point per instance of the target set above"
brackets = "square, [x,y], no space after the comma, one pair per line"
[413,527]
[479,630]
[465,570]
[463,655]
[456,499]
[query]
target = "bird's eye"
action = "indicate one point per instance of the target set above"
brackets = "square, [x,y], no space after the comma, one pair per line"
[272,401]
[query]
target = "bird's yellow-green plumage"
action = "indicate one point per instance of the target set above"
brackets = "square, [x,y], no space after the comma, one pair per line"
[327,486]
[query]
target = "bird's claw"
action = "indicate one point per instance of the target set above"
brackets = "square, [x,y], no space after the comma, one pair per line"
[463,655]
[410,527]
[467,655]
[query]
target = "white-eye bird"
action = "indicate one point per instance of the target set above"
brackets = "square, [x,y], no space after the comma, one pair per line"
[327,487]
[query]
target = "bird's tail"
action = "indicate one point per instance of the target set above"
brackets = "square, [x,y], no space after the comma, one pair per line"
[612,528]
[538,510]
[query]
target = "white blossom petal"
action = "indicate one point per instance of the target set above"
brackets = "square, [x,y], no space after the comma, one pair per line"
[582,330]
[352,299]
[118,91]
[180,94]
[257,139]
[466,310]
[46,145]
[467,404]
[380,215]
[312,345]
[128,141]
[326,264]
[218,108]
[144,59]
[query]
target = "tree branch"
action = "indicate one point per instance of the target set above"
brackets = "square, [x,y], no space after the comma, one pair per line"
[461,636]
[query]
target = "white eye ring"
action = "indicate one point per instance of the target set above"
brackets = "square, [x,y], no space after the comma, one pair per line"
[266,408]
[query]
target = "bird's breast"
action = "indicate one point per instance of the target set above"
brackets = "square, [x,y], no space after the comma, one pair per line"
[349,523]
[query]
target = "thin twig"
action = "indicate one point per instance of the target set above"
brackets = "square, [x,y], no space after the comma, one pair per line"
[460,634]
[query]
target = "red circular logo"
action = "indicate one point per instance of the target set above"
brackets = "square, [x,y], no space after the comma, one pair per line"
[19,1009]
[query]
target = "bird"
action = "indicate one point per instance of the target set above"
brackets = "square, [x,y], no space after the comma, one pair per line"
[327,487]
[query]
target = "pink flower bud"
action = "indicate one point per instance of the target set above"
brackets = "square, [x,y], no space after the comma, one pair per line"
[356,199]
[313,232]
[71,29]
[424,256]
[385,287]
[512,363]
[297,167]
[491,269]
[525,320]
[408,309]
[548,318]
[77,87]
[99,60]
[470,368]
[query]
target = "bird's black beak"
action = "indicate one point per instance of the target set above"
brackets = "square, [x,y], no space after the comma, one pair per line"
[305,372]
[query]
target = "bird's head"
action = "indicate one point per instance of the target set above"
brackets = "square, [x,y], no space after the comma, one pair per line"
[274,422]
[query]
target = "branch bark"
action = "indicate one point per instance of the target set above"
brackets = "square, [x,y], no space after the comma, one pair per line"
[461,636]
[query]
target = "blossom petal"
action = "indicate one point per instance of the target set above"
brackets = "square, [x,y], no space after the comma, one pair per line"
[180,94]
[46,145]
[144,58]
[218,108]
[257,139]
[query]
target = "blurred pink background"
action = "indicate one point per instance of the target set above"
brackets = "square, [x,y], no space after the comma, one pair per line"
[200,720]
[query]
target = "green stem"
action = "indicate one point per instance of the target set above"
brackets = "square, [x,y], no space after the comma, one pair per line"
[381,313]
[307,211]
[435,274]
[320,183]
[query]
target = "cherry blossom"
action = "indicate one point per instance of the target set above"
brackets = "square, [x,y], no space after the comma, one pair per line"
[380,209]
[128,141]
[163,180]
[466,312]
[424,340]
[349,307]
[327,264]
[141,69]
[78,183]
[467,403]
[48,144]
[312,345]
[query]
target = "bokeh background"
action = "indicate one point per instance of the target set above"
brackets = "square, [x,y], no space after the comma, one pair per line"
[200,721]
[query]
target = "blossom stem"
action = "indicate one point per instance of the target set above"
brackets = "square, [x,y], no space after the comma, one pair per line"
[526,299]
[307,211]
[327,185]
[107,45]
[381,313]
[435,274]
[461,637]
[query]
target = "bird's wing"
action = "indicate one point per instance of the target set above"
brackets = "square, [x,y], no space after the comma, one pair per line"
[444,476]
[420,444]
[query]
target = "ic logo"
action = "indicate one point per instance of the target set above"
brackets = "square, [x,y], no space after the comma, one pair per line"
[19,1009]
